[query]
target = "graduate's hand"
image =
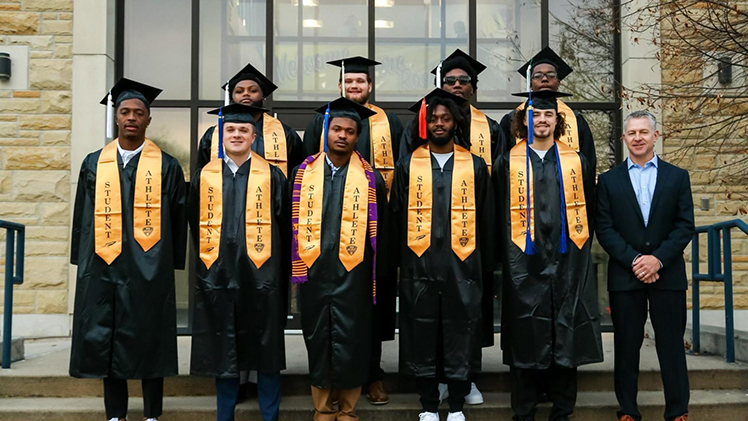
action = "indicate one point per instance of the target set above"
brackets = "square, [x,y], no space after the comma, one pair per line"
[646,266]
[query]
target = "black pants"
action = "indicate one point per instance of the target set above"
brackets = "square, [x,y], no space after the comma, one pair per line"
[375,370]
[115,397]
[428,389]
[667,310]
[561,386]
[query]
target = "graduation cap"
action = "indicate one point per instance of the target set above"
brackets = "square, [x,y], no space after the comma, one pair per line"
[343,107]
[355,64]
[238,113]
[543,100]
[123,90]
[249,72]
[548,56]
[458,60]
[421,105]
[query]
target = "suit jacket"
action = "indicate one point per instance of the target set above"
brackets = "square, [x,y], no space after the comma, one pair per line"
[621,230]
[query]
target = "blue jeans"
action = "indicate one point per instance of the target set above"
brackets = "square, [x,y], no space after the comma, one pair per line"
[268,395]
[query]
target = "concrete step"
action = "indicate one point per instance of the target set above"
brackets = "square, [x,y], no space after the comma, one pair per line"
[722,405]
[726,377]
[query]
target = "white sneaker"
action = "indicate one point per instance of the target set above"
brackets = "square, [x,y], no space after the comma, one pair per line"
[474,397]
[428,416]
[443,392]
[456,416]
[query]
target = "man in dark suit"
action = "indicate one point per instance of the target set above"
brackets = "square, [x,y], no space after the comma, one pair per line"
[644,222]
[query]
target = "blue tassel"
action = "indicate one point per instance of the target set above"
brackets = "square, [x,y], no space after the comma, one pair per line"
[326,127]
[529,247]
[562,240]
[220,133]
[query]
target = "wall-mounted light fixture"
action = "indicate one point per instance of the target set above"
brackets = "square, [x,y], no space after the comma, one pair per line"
[4,66]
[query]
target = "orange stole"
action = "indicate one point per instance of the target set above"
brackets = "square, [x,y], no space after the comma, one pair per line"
[380,139]
[576,206]
[463,207]
[108,201]
[310,210]
[480,136]
[274,142]
[571,130]
[257,213]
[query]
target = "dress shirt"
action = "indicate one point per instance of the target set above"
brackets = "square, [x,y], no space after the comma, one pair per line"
[333,168]
[127,155]
[232,165]
[644,180]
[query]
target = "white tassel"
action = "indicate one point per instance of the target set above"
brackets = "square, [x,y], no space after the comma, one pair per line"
[275,115]
[226,97]
[342,77]
[529,77]
[439,75]
[109,117]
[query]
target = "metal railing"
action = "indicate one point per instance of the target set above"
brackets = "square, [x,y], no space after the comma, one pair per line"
[14,246]
[715,273]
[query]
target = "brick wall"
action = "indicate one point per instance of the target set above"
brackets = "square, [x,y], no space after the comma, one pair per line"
[35,125]
[712,176]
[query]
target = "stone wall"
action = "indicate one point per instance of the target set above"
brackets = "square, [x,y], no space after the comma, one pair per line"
[35,129]
[712,154]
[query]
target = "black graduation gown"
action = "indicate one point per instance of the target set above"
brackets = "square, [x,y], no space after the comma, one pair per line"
[549,313]
[294,149]
[384,311]
[498,141]
[124,322]
[438,288]
[336,305]
[586,142]
[240,311]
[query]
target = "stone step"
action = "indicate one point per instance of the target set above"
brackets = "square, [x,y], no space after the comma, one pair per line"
[718,405]
[725,378]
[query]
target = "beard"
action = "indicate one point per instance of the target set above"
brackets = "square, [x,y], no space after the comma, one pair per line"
[441,140]
[362,99]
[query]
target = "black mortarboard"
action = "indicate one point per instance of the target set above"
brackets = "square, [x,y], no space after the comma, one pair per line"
[344,107]
[547,55]
[460,60]
[545,99]
[130,89]
[249,72]
[238,113]
[356,64]
[440,93]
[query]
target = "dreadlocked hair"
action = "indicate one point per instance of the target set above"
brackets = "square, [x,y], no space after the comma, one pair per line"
[519,129]
[462,128]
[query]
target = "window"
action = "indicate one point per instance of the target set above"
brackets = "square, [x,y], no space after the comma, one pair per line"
[190,48]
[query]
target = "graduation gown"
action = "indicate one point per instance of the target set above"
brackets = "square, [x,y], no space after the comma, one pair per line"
[240,311]
[498,141]
[549,300]
[438,289]
[336,305]
[586,142]
[294,150]
[385,311]
[124,322]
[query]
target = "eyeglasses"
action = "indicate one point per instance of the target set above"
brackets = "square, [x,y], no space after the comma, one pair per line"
[541,75]
[451,80]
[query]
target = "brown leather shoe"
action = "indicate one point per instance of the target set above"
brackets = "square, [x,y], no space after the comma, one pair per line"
[683,417]
[377,395]
[626,418]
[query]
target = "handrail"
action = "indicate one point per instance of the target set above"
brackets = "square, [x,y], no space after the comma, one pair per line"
[13,254]
[715,273]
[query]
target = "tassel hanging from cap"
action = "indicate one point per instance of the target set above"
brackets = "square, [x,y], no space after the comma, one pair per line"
[220,133]
[109,116]
[439,74]
[422,120]
[227,94]
[326,126]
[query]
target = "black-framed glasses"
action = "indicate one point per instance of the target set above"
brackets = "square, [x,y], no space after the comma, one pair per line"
[541,75]
[451,80]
